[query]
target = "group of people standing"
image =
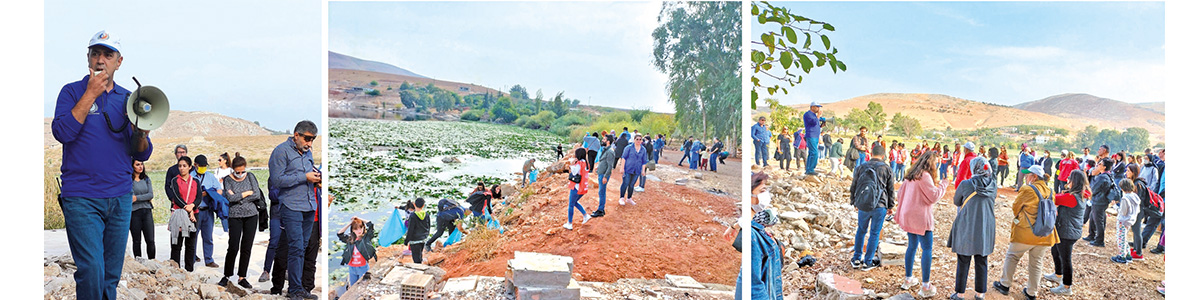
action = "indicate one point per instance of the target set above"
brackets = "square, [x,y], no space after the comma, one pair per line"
[1049,212]
[106,195]
[806,143]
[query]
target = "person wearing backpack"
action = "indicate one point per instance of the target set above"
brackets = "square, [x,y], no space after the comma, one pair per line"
[1069,225]
[1104,192]
[872,192]
[973,235]
[1146,209]
[1029,234]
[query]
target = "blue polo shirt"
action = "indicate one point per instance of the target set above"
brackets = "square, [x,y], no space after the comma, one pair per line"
[812,125]
[287,167]
[96,162]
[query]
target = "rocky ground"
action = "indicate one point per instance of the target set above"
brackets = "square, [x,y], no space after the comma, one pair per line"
[817,219]
[147,279]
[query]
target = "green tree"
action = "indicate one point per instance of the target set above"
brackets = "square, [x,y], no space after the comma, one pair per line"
[638,114]
[518,92]
[502,111]
[873,118]
[544,119]
[559,105]
[374,83]
[405,86]
[782,48]
[698,45]
[782,115]
[905,126]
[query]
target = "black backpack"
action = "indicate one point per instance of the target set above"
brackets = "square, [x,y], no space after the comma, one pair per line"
[1114,192]
[867,197]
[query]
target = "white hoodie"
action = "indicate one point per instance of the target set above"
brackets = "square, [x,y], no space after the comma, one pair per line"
[1130,204]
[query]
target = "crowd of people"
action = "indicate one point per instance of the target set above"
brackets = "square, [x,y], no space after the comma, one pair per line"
[1056,198]
[106,196]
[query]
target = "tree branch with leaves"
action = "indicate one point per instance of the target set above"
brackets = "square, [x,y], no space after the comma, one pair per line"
[780,49]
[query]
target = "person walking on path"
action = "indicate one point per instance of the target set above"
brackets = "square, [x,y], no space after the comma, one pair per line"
[604,168]
[242,190]
[687,151]
[658,147]
[783,153]
[968,155]
[835,157]
[1104,192]
[1126,214]
[96,195]
[292,176]
[762,138]
[358,247]
[874,196]
[914,214]
[141,221]
[1069,225]
[635,158]
[973,234]
[1024,240]
[578,183]
[812,132]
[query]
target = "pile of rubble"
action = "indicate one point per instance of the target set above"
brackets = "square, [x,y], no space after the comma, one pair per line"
[145,279]
[530,276]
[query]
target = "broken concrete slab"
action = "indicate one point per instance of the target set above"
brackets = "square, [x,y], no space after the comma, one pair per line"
[461,284]
[684,282]
[530,270]
[397,275]
[570,292]
[834,286]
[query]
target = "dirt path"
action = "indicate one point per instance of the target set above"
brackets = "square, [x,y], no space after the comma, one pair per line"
[670,231]
[1095,276]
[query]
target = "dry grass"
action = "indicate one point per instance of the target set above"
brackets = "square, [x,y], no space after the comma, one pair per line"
[481,244]
[53,212]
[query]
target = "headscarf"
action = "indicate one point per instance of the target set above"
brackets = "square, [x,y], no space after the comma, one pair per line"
[981,177]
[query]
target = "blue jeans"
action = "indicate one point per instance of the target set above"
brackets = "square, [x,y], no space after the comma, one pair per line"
[657,154]
[874,219]
[760,152]
[899,172]
[862,158]
[297,226]
[573,203]
[97,229]
[810,164]
[273,243]
[712,161]
[357,273]
[926,243]
[942,170]
[627,183]
[204,222]
[603,181]
[686,155]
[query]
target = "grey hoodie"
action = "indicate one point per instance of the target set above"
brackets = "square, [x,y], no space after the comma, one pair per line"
[974,229]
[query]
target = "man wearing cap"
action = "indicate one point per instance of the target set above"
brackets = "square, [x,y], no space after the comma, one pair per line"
[812,132]
[292,176]
[98,146]
[206,217]
[964,173]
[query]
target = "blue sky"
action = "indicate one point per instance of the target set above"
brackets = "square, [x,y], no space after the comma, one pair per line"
[255,60]
[597,51]
[999,52]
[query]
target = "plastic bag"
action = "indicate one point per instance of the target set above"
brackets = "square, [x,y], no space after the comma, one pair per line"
[454,237]
[491,222]
[394,230]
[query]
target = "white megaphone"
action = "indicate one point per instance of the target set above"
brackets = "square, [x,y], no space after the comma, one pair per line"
[147,107]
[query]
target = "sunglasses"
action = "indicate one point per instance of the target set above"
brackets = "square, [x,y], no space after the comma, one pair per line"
[240,174]
[309,138]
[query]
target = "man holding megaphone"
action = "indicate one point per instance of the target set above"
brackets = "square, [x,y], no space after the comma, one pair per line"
[96,170]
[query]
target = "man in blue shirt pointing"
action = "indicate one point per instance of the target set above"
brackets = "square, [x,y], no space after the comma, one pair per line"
[812,132]
[99,146]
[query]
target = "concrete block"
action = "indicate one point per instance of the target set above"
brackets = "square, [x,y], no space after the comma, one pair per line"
[684,282]
[570,292]
[539,270]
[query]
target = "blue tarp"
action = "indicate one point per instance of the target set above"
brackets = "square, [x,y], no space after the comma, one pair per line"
[393,231]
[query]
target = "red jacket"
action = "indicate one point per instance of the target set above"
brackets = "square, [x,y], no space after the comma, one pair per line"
[1066,167]
[581,187]
[964,168]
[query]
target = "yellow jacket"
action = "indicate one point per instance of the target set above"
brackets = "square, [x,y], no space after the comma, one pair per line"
[1025,213]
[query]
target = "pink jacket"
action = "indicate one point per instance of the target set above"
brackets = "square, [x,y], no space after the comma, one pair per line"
[914,203]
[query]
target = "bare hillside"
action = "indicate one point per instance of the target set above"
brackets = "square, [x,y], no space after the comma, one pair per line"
[186,124]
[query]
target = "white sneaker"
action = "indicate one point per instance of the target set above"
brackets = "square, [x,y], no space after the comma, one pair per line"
[638,189]
[1061,290]
[632,202]
[1053,278]
[622,201]
[927,290]
[909,282]
[568,226]
[586,217]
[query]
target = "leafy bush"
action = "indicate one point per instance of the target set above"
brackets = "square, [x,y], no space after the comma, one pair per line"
[473,115]
[373,92]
